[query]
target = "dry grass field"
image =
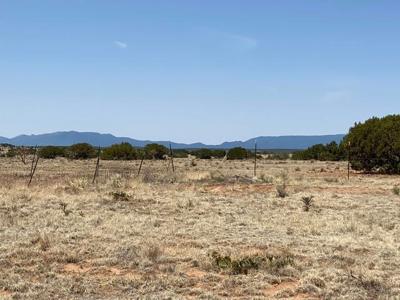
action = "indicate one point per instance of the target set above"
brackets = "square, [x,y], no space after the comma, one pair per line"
[209,231]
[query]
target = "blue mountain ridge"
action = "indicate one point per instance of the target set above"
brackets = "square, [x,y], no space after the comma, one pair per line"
[67,138]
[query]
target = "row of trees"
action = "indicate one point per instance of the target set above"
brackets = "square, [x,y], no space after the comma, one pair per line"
[371,146]
[123,151]
[126,151]
[328,152]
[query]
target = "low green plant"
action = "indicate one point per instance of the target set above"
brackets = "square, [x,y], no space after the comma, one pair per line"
[243,265]
[81,151]
[120,196]
[155,151]
[50,152]
[396,190]
[307,202]
[123,151]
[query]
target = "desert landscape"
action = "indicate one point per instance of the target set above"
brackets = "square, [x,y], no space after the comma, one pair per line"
[210,230]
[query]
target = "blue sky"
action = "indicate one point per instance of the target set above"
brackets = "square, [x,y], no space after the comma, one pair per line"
[192,71]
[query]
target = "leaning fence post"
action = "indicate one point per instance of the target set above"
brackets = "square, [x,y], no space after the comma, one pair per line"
[172,158]
[33,170]
[97,166]
[140,166]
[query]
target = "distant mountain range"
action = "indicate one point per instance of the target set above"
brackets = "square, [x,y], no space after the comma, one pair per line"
[67,138]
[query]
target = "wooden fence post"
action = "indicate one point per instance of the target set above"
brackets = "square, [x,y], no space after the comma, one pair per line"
[141,163]
[172,158]
[255,159]
[96,171]
[33,168]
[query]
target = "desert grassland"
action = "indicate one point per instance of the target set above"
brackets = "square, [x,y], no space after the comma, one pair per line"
[209,231]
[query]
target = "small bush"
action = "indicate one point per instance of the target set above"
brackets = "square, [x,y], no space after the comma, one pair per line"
[281,190]
[153,252]
[155,151]
[242,265]
[237,153]
[307,202]
[50,152]
[81,151]
[208,153]
[180,153]
[120,196]
[266,179]
[328,152]
[64,209]
[123,151]
[396,190]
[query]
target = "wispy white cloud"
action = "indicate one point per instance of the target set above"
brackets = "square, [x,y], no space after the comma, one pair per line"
[243,41]
[230,40]
[338,96]
[120,44]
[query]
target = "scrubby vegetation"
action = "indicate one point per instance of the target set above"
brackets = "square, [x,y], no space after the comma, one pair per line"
[372,146]
[208,153]
[328,152]
[155,151]
[375,145]
[50,152]
[180,153]
[81,151]
[123,151]
[238,153]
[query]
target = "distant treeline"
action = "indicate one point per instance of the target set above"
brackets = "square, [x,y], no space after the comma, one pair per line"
[126,151]
[328,152]
[372,146]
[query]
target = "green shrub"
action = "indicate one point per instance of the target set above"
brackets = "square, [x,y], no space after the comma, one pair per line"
[155,151]
[180,153]
[277,156]
[123,151]
[203,153]
[396,190]
[375,145]
[237,153]
[50,152]
[328,152]
[307,202]
[81,151]
[11,153]
[217,153]
[242,265]
[208,153]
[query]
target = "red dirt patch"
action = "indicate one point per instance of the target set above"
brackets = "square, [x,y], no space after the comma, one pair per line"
[75,268]
[5,294]
[225,188]
[275,289]
[195,273]
[100,272]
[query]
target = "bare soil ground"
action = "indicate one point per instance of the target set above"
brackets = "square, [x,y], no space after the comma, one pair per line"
[208,231]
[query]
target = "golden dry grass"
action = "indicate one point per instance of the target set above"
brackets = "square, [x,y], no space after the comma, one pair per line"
[208,231]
